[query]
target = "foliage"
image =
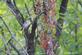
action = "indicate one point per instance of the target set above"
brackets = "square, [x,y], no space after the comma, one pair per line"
[70,39]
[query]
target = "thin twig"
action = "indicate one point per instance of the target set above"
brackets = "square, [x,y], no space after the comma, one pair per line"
[28,12]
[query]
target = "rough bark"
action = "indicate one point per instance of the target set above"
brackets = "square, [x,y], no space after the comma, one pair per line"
[50,20]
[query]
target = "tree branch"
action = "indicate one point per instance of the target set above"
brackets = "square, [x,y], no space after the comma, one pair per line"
[62,10]
[12,45]
[28,12]
[15,11]
[80,3]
